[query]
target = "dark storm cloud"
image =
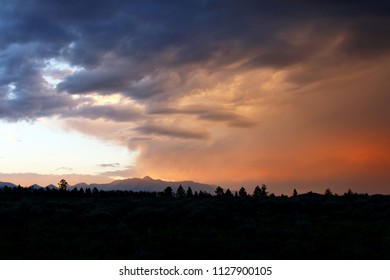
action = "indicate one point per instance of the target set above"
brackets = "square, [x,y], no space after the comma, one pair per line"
[136,47]
[24,92]
[183,35]
[119,77]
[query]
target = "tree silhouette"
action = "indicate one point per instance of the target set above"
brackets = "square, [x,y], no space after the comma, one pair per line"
[47,190]
[263,190]
[63,184]
[168,192]
[228,193]
[180,193]
[242,192]
[189,192]
[6,189]
[95,191]
[219,191]
[257,192]
[328,192]
[295,192]
[349,193]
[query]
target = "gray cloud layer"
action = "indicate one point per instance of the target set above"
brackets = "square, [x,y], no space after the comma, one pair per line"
[149,50]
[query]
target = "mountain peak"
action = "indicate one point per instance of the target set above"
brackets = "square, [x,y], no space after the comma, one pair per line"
[147,178]
[35,187]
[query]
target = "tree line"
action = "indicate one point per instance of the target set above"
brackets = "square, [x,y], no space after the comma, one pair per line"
[64,190]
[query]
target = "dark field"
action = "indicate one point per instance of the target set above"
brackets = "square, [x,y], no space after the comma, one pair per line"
[117,225]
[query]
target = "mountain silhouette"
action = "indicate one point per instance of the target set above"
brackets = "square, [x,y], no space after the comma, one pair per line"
[147,184]
[8,184]
[35,187]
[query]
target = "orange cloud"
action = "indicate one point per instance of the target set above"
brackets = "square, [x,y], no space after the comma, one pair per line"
[286,128]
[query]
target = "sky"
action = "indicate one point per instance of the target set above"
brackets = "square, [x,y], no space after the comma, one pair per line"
[291,94]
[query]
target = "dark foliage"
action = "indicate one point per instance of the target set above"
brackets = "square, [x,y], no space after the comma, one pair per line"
[93,224]
[219,191]
[228,193]
[180,193]
[242,192]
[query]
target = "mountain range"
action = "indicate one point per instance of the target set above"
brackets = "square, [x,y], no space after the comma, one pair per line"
[7,184]
[135,184]
[148,184]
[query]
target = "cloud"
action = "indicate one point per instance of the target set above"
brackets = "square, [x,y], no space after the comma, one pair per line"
[175,132]
[129,172]
[210,113]
[24,93]
[153,50]
[118,113]
[331,133]
[244,90]
[65,168]
[105,165]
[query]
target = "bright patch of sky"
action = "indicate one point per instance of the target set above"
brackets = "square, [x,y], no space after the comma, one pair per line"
[56,69]
[42,148]
[11,92]
[107,99]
